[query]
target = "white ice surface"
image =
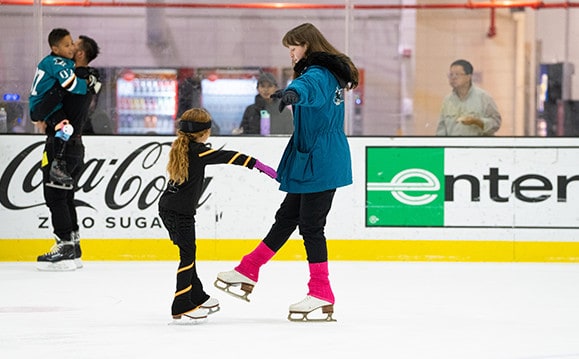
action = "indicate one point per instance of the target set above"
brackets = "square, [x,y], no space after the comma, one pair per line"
[383,310]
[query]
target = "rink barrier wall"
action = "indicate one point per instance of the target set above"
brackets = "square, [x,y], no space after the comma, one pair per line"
[412,199]
[339,250]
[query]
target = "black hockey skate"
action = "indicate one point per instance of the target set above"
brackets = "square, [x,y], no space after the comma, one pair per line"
[59,176]
[59,259]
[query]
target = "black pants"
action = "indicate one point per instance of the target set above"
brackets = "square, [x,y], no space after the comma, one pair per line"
[60,202]
[308,212]
[181,230]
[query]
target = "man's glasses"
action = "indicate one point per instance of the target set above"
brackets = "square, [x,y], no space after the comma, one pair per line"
[453,75]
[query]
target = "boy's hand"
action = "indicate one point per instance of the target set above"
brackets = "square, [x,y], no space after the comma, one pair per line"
[94,84]
[64,130]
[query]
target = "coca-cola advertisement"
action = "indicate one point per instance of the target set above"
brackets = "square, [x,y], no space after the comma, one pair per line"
[122,178]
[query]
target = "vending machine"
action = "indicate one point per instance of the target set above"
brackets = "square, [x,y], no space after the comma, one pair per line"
[146,101]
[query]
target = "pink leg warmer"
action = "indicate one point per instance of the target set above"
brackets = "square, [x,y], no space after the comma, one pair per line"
[319,284]
[251,262]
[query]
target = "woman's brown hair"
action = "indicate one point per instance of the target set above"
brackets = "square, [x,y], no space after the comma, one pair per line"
[308,35]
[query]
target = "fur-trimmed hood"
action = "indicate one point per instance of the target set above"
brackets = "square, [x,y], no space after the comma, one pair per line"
[333,63]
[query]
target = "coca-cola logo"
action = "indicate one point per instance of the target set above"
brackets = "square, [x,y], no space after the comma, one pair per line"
[137,179]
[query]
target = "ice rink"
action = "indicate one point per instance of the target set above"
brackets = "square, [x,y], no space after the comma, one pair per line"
[383,310]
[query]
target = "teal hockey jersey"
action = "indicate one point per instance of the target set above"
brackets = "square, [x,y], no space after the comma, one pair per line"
[51,70]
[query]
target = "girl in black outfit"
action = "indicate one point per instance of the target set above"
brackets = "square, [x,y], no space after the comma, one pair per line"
[177,206]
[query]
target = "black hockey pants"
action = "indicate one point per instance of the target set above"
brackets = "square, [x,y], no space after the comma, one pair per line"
[59,201]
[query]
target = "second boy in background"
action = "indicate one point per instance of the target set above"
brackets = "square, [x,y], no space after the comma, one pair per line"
[279,122]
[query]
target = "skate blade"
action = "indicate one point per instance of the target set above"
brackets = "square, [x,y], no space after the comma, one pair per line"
[304,316]
[245,288]
[60,266]
[187,320]
[211,310]
[78,263]
[66,187]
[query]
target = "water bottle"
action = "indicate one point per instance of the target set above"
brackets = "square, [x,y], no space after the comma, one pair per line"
[264,122]
[65,132]
[4,121]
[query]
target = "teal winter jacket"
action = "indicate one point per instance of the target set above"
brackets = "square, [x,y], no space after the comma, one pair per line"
[317,156]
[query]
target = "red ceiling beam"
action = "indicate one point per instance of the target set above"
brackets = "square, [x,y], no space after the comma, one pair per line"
[300,6]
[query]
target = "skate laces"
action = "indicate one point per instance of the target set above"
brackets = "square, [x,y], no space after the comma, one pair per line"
[53,250]
[56,248]
[312,301]
[309,299]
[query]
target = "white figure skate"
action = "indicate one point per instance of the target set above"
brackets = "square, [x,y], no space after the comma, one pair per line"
[195,316]
[299,312]
[226,280]
[211,305]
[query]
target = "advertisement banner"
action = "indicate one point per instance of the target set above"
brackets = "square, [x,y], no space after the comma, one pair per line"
[481,187]
[405,186]
[118,190]
[404,189]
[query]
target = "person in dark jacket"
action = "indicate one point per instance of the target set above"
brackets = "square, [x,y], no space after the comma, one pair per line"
[280,123]
[315,163]
[178,204]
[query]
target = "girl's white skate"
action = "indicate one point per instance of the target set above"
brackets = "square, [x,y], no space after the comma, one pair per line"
[195,316]
[299,312]
[212,305]
[226,280]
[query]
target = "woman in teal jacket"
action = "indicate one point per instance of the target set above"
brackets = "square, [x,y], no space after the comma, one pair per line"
[317,157]
[315,162]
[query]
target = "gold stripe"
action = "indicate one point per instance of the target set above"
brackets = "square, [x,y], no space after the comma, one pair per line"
[183,291]
[202,154]
[138,249]
[246,161]
[233,158]
[185,268]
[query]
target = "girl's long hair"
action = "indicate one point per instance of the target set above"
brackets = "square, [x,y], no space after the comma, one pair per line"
[178,166]
[308,35]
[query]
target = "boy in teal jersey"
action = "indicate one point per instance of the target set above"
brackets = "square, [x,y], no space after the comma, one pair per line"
[56,69]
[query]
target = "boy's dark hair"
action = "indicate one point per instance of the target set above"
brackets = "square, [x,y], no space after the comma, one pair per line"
[56,35]
[90,47]
[465,65]
[266,77]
